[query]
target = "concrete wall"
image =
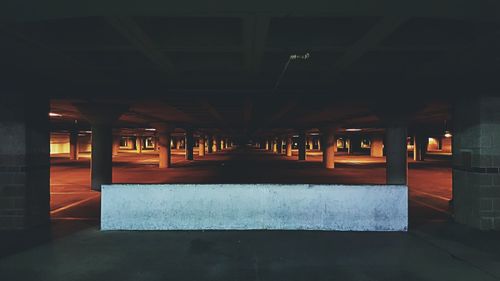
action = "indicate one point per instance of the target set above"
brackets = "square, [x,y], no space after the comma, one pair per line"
[254,206]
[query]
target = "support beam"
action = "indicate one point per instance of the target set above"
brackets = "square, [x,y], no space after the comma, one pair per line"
[289,146]
[420,143]
[377,146]
[476,162]
[73,144]
[302,145]
[116,144]
[329,144]
[216,144]
[129,29]
[397,158]
[370,40]
[214,112]
[201,146]
[255,31]
[164,144]
[24,161]
[101,117]
[210,143]
[139,142]
[189,143]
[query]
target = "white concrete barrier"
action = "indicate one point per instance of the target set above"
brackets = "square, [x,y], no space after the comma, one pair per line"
[254,206]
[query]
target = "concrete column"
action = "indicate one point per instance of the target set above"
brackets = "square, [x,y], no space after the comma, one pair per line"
[309,143]
[319,144]
[396,159]
[189,143]
[275,146]
[73,144]
[201,146]
[302,145]
[138,144]
[329,148]
[24,161]
[164,144]
[102,163]
[177,143]
[216,144]
[130,143]
[101,117]
[116,145]
[279,145]
[267,145]
[348,145]
[209,144]
[377,146]
[476,162]
[165,155]
[155,143]
[419,147]
[289,146]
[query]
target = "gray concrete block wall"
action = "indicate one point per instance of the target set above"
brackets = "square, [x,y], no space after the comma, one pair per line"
[24,162]
[476,162]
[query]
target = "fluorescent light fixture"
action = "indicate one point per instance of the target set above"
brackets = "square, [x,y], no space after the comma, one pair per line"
[52,114]
[150,129]
[447,134]
[352,130]
[88,132]
[314,134]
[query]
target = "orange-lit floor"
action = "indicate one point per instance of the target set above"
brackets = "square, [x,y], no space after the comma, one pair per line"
[71,198]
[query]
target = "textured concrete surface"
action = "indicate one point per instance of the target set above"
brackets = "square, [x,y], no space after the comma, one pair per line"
[254,206]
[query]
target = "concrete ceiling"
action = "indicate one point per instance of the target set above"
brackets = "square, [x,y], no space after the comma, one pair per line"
[215,66]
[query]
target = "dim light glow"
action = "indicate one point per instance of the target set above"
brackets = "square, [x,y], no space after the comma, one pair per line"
[314,134]
[447,134]
[150,129]
[52,114]
[352,130]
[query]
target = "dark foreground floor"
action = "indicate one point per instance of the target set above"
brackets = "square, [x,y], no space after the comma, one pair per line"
[73,248]
[439,252]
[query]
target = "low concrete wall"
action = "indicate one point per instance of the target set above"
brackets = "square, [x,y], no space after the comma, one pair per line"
[254,206]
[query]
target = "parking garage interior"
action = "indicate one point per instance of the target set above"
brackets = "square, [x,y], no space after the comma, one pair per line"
[327,94]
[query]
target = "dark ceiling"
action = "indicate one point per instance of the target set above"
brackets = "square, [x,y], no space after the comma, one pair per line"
[218,66]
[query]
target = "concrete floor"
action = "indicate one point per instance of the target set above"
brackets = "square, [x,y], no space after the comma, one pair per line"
[73,248]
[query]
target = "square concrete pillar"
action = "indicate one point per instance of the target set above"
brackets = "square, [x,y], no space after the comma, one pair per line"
[209,144]
[24,162]
[377,146]
[73,144]
[476,162]
[189,144]
[201,146]
[302,146]
[397,158]
[329,144]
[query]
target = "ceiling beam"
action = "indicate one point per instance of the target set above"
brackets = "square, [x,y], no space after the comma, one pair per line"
[255,30]
[369,41]
[247,110]
[287,107]
[128,28]
[213,111]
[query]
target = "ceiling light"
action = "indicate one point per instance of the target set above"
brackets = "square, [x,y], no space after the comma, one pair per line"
[352,130]
[52,114]
[150,129]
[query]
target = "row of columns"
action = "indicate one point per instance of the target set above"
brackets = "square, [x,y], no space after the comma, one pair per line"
[396,150]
